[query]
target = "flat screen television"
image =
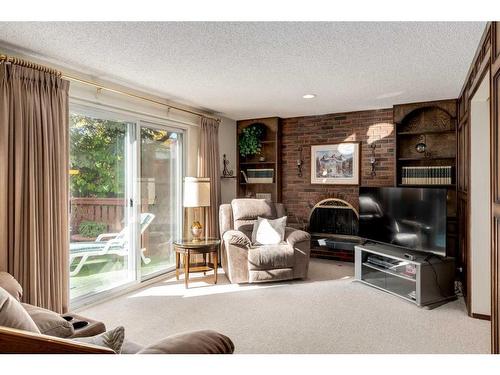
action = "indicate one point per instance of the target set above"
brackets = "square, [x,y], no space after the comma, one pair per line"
[412,218]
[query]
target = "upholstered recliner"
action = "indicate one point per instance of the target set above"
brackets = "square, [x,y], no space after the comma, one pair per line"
[244,262]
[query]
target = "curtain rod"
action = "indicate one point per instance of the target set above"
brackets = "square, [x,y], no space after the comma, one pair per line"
[29,64]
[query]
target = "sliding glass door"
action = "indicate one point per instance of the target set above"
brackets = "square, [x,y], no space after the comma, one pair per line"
[101,234]
[125,189]
[160,211]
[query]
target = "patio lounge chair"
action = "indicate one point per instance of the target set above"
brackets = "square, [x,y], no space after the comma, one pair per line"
[106,243]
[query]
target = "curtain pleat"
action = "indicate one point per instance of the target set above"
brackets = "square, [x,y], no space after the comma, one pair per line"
[34,146]
[209,167]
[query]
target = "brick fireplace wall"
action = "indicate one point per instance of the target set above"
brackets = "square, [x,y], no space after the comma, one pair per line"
[299,195]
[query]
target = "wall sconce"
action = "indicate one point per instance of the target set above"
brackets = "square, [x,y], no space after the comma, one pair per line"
[373,160]
[226,173]
[299,163]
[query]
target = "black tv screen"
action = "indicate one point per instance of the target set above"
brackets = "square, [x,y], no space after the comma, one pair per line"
[413,218]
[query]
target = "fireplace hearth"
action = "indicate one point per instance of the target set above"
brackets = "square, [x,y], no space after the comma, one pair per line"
[333,224]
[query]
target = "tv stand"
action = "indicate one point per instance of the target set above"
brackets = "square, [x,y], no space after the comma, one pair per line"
[426,280]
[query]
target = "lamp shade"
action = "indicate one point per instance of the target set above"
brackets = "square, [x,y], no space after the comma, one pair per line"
[196,192]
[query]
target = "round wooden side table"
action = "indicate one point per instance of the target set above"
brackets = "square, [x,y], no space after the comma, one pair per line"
[187,248]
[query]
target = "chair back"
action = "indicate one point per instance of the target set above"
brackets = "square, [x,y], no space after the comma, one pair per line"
[246,211]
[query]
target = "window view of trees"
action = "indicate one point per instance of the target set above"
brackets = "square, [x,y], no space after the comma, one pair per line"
[97,157]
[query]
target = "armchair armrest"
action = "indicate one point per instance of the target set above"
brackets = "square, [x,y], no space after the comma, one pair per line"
[236,237]
[198,342]
[294,236]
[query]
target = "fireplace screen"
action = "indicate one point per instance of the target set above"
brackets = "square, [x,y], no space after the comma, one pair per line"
[334,216]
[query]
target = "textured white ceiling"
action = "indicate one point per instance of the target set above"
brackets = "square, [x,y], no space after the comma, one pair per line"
[246,70]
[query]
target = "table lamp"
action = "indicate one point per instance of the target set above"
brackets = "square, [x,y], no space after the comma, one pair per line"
[196,194]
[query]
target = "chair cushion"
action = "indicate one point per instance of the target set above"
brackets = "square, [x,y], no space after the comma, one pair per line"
[268,257]
[10,284]
[198,342]
[49,322]
[245,211]
[269,232]
[13,314]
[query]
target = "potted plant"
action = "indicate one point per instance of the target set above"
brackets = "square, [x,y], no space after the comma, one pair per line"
[250,140]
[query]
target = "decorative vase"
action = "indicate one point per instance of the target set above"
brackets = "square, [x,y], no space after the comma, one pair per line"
[196,231]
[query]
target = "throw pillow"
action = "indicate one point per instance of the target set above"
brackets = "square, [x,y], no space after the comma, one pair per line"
[13,314]
[10,284]
[269,232]
[49,322]
[112,339]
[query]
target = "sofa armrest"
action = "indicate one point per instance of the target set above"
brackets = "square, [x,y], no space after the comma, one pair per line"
[237,238]
[198,342]
[294,236]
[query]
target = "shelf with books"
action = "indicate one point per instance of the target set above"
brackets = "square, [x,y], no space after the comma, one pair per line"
[427,175]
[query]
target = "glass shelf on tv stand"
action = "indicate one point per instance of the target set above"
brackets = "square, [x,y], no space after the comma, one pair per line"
[390,281]
[427,281]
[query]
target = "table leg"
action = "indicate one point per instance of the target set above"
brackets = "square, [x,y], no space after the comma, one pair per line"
[204,263]
[215,266]
[186,267]
[177,264]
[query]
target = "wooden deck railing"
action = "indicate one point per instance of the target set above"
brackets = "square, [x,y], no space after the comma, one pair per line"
[109,211]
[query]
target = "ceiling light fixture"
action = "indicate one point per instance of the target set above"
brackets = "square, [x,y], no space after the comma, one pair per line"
[309,96]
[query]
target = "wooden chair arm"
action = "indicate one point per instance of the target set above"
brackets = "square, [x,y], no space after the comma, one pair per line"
[15,341]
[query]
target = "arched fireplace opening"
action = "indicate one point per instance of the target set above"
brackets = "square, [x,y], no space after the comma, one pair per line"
[333,224]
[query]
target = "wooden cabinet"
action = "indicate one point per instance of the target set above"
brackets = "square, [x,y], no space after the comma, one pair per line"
[269,159]
[433,124]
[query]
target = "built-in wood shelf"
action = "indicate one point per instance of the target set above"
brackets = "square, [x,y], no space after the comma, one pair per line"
[433,123]
[271,152]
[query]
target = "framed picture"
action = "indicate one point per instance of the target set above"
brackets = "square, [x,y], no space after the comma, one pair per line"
[336,164]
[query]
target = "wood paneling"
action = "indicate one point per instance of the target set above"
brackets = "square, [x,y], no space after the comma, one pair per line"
[495,185]
[477,70]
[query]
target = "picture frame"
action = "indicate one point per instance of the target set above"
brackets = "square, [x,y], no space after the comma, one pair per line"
[335,164]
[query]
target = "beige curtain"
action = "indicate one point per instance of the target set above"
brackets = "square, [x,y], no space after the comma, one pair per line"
[208,166]
[34,183]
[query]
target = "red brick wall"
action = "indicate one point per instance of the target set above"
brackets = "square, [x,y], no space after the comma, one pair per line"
[364,126]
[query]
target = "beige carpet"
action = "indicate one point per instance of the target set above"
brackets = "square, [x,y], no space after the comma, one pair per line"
[328,313]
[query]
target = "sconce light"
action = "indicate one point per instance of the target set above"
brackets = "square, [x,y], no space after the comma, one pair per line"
[299,163]
[226,173]
[373,160]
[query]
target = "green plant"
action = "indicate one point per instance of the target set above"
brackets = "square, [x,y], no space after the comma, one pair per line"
[250,139]
[98,155]
[91,228]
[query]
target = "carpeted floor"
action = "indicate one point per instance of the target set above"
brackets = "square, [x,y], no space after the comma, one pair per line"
[328,313]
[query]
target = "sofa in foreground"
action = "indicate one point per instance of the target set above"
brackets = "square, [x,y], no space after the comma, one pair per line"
[29,329]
